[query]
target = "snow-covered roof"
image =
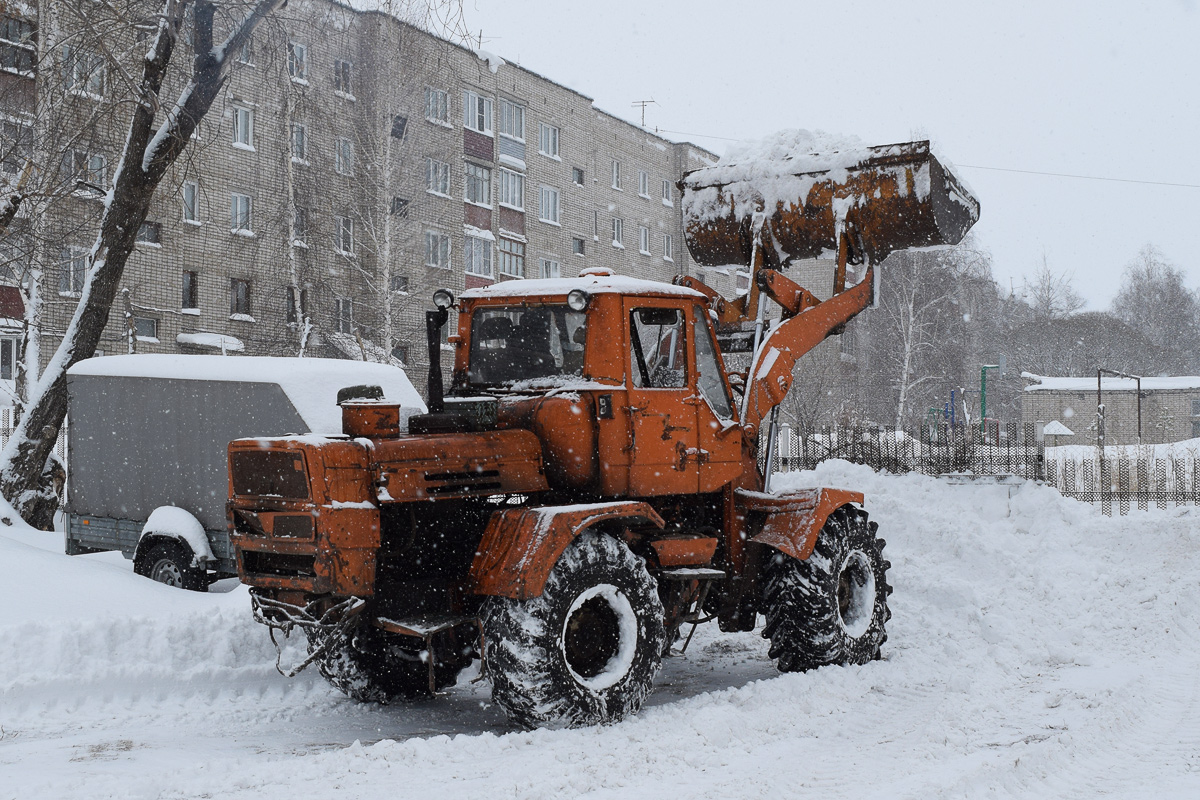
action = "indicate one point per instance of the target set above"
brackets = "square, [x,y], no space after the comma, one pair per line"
[1047,384]
[216,341]
[311,384]
[594,284]
[1056,428]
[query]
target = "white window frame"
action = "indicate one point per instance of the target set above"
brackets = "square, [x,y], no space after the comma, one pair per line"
[643,240]
[246,312]
[152,336]
[437,177]
[512,120]
[343,156]
[24,45]
[343,314]
[243,128]
[550,206]
[616,175]
[297,62]
[582,176]
[343,234]
[668,194]
[191,202]
[73,266]
[481,184]
[437,250]
[241,208]
[511,258]
[511,189]
[477,256]
[548,140]
[343,74]
[581,250]
[477,112]
[643,184]
[668,247]
[299,227]
[84,71]
[618,232]
[299,143]
[437,106]
[551,268]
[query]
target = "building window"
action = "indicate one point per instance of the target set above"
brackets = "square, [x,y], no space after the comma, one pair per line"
[341,77]
[742,282]
[478,184]
[477,256]
[437,250]
[643,240]
[299,143]
[89,171]
[239,297]
[548,143]
[512,258]
[145,328]
[437,106]
[18,44]
[400,207]
[644,183]
[191,202]
[17,145]
[191,290]
[512,120]
[577,176]
[616,174]
[437,177]
[668,248]
[246,54]
[343,157]
[243,127]
[9,347]
[290,312]
[512,189]
[477,112]
[399,283]
[73,264]
[399,126]
[297,61]
[551,268]
[150,233]
[548,209]
[577,246]
[299,226]
[239,212]
[343,235]
[618,231]
[83,71]
[667,197]
[343,315]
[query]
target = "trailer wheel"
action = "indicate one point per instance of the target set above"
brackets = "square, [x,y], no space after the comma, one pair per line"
[587,650]
[832,607]
[374,666]
[170,562]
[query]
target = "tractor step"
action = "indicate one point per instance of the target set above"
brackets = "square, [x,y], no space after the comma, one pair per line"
[424,626]
[693,574]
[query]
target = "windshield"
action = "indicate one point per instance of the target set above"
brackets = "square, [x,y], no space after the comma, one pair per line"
[519,343]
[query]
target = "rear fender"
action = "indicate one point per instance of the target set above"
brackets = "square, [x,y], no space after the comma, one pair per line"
[521,545]
[790,522]
[180,525]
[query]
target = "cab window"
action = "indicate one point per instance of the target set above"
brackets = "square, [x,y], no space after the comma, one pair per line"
[708,369]
[657,357]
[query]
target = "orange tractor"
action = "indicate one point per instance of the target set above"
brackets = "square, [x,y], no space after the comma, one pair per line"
[590,482]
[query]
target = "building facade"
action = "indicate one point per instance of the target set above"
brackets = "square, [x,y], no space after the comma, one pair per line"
[1169,408]
[352,164]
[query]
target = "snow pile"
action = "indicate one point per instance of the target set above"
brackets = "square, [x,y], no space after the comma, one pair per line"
[1036,649]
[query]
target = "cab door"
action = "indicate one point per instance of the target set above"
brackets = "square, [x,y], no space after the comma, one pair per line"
[720,434]
[662,407]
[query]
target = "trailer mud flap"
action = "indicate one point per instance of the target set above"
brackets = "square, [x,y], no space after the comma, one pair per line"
[790,522]
[520,546]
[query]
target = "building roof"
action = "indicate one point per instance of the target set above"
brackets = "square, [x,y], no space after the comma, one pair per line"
[1044,384]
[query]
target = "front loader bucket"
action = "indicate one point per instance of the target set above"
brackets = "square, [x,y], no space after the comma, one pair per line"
[889,197]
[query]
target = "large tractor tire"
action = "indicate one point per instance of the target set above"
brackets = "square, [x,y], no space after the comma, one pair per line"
[587,650]
[832,607]
[375,666]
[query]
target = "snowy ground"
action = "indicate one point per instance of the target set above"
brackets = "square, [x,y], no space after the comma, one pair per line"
[1037,649]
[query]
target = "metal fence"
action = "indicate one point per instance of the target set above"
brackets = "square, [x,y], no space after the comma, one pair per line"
[1123,478]
[6,428]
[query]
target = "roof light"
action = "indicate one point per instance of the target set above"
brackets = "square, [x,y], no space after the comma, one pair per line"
[443,298]
[578,299]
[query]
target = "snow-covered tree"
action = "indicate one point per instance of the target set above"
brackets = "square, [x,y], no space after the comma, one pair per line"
[1051,294]
[1155,301]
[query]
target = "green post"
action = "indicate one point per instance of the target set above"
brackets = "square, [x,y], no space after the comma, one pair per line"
[983,400]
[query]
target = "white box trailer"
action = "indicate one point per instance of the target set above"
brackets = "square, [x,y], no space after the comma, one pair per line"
[147,441]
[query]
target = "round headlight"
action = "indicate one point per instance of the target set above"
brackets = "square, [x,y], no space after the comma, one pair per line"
[578,299]
[443,298]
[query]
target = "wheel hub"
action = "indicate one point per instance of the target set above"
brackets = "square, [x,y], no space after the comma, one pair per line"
[167,571]
[593,637]
[856,594]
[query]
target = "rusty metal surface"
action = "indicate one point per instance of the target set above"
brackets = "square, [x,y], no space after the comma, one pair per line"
[899,197]
[790,522]
[437,466]
[520,546]
[689,551]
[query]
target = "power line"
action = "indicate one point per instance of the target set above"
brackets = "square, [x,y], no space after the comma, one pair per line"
[993,169]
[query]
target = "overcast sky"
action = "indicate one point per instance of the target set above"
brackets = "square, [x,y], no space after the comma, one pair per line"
[1105,89]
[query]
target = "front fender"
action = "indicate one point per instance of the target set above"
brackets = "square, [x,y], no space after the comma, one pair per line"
[790,522]
[521,545]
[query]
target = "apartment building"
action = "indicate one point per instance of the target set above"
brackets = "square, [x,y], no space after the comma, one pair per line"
[352,164]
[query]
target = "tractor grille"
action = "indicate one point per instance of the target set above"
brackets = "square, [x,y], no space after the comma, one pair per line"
[282,564]
[485,481]
[295,526]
